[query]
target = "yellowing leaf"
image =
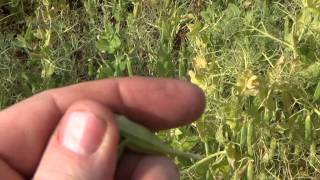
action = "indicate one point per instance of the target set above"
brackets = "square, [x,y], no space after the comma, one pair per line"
[40,34]
[253,82]
[280,61]
[193,78]
[196,81]
[200,44]
[200,62]
[247,3]
[47,68]
[248,84]
[48,38]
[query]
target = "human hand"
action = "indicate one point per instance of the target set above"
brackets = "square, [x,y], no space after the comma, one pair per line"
[70,133]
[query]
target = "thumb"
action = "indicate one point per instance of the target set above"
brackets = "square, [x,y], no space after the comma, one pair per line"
[84,145]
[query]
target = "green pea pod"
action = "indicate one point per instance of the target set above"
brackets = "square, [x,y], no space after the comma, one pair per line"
[308,129]
[139,139]
[250,138]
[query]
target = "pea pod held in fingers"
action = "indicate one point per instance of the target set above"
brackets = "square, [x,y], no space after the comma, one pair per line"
[140,139]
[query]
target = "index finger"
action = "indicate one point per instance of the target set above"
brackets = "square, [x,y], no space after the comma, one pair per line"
[156,103]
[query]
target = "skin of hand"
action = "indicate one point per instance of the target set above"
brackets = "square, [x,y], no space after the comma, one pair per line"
[70,133]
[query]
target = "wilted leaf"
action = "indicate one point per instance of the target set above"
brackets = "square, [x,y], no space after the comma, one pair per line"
[200,62]
[248,84]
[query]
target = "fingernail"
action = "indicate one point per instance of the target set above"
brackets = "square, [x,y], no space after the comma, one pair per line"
[82,133]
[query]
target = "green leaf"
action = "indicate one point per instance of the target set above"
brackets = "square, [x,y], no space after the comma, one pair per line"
[123,65]
[102,44]
[115,42]
[21,42]
[104,71]
[109,43]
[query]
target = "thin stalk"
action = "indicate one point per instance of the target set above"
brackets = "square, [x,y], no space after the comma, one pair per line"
[273,38]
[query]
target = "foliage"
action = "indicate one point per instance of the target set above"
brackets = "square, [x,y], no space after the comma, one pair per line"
[257,61]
